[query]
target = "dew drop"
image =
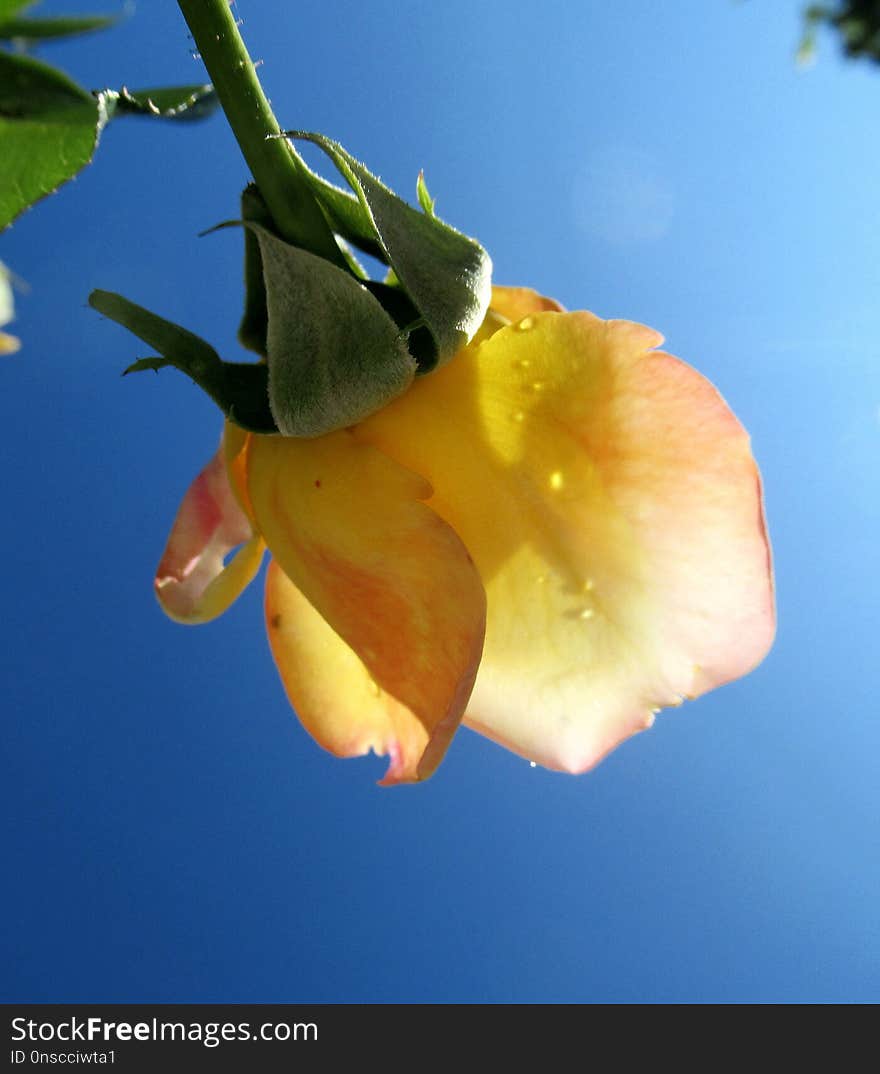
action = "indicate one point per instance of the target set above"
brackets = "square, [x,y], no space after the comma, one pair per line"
[518,416]
[537,385]
[525,324]
[521,363]
[588,585]
[533,764]
[586,613]
[541,579]
[557,480]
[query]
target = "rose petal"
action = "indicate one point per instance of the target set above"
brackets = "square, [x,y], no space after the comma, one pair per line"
[611,503]
[387,592]
[193,585]
[514,303]
[9,344]
[234,445]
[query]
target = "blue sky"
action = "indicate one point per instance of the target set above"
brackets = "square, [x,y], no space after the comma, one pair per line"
[170,831]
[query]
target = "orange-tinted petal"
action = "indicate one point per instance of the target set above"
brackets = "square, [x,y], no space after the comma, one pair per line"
[611,503]
[193,584]
[234,445]
[378,588]
[514,303]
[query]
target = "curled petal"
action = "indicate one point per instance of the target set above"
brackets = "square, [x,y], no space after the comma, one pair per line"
[193,583]
[336,698]
[612,505]
[378,626]
[234,447]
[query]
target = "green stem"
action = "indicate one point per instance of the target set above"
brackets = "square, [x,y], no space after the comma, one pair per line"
[277,170]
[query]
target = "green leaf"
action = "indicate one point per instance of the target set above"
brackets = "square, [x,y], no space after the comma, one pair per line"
[8,8]
[171,102]
[334,355]
[29,87]
[46,29]
[49,127]
[238,388]
[447,275]
[254,324]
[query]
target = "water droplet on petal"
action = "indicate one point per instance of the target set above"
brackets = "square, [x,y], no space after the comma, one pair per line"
[533,764]
[588,585]
[525,324]
[537,385]
[586,613]
[518,416]
[557,480]
[541,579]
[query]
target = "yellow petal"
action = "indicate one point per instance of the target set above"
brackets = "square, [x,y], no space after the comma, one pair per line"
[9,344]
[514,303]
[382,589]
[193,584]
[235,444]
[611,503]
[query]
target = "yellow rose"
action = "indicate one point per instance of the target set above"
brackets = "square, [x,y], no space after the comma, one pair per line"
[550,538]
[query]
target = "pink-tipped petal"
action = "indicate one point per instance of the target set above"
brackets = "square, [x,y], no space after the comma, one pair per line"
[193,582]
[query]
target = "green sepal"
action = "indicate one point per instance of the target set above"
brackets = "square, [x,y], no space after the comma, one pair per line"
[183,103]
[425,200]
[240,389]
[447,276]
[351,262]
[334,355]
[49,127]
[400,309]
[49,28]
[254,324]
[346,215]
